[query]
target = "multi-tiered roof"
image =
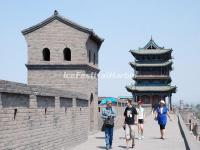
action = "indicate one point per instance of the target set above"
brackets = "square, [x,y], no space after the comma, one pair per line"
[152,67]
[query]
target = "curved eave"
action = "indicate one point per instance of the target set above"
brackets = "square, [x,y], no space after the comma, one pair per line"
[136,65]
[151,89]
[150,52]
[167,78]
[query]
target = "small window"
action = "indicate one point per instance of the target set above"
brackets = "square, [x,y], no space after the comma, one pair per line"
[46,54]
[89,56]
[67,54]
[94,59]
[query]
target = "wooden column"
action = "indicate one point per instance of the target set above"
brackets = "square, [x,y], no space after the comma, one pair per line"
[162,97]
[136,96]
[170,101]
[151,99]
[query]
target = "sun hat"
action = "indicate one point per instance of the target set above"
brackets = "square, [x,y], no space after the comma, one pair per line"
[162,101]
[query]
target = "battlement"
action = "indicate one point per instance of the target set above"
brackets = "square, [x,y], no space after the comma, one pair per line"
[36,117]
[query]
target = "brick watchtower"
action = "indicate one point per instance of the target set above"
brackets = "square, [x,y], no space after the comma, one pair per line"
[62,55]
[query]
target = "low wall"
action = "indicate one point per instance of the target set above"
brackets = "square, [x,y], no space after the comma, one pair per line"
[190,142]
[38,118]
[192,122]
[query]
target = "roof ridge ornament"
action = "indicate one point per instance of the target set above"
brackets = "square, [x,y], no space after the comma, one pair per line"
[55,12]
[152,45]
[151,38]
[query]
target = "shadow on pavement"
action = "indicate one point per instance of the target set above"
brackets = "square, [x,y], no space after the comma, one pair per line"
[122,146]
[157,138]
[100,137]
[101,147]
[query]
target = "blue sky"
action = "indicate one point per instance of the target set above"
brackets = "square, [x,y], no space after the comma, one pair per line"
[124,25]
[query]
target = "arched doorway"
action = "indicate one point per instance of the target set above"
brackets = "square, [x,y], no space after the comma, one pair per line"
[145,99]
[91,112]
[155,100]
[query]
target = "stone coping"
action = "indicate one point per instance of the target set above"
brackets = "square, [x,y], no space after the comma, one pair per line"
[21,88]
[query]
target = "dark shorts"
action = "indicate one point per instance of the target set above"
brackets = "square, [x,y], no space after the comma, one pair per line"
[141,121]
[162,126]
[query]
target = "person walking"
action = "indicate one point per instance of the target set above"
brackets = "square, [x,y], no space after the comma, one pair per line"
[141,115]
[161,114]
[129,114]
[108,115]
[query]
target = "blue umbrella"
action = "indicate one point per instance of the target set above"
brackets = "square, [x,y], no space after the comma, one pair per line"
[104,100]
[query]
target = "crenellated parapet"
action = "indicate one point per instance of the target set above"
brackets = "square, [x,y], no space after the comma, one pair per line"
[36,117]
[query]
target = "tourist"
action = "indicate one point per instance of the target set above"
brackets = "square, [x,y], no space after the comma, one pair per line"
[161,114]
[129,114]
[108,115]
[141,115]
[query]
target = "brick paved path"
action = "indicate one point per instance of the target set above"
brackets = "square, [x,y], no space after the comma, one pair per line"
[173,141]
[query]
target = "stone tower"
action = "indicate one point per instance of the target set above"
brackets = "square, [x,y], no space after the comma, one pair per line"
[64,55]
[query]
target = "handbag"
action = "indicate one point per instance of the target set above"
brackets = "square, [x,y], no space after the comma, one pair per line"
[109,122]
[103,127]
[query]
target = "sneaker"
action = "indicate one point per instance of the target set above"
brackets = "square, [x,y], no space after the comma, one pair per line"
[133,144]
[162,138]
[107,147]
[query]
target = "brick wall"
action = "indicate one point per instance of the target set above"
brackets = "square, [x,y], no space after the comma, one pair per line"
[33,117]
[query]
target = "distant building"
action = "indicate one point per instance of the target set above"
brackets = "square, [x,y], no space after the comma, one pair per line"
[181,104]
[152,68]
[125,97]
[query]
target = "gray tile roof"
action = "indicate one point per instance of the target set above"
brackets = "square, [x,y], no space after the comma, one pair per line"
[56,16]
[136,64]
[151,77]
[150,51]
[133,88]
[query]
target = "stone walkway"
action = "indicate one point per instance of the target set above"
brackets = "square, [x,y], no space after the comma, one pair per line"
[173,141]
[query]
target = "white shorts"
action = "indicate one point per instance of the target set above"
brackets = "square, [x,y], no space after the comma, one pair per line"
[129,132]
